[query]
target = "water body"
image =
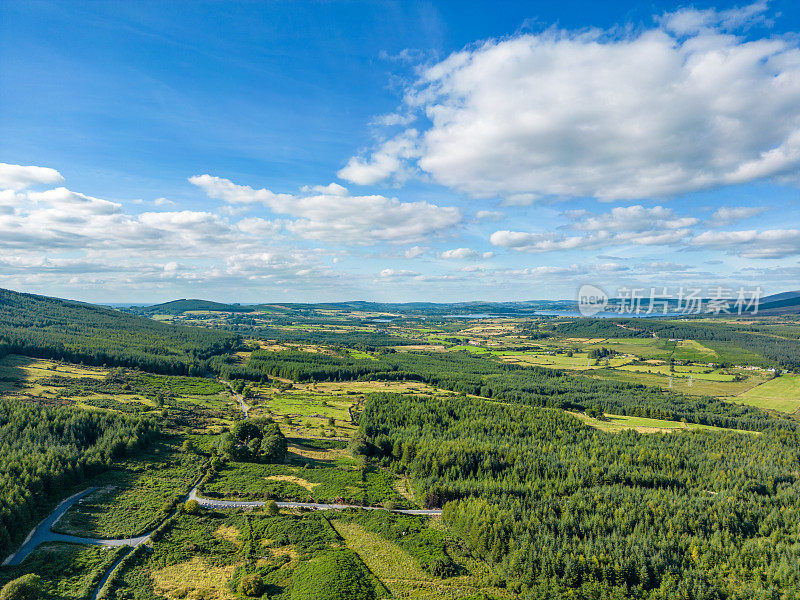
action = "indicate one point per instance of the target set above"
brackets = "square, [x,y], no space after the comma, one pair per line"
[605,315]
[562,313]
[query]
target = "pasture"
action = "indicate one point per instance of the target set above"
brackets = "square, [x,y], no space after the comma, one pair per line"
[781,394]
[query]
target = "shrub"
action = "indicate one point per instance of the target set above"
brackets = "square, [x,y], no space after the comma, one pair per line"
[272,508]
[26,587]
[191,507]
[335,575]
[252,585]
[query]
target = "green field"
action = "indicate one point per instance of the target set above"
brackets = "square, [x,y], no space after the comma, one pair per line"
[781,393]
[688,372]
[614,423]
[319,481]
[698,387]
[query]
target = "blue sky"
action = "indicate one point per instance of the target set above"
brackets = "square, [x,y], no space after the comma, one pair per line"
[315,151]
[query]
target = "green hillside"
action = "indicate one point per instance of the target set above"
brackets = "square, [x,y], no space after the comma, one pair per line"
[46,327]
[178,307]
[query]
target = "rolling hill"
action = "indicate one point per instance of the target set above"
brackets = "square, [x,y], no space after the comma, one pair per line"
[47,327]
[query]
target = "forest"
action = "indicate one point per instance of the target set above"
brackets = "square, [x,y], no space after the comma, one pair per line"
[46,327]
[554,479]
[570,512]
[45,451]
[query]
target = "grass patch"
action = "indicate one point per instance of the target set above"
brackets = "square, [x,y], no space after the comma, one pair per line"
[134,496]
[323,483]
[781,394]
[68,570]
[194,579]
[615,423]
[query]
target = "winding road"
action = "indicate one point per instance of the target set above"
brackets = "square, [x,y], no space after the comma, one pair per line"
[42,533]
[214,503]
[242,404]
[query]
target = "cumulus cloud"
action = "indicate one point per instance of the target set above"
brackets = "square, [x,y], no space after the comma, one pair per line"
[771,243]
[60,235]
[629,225]
[459,253]
[331,214]
[683,106]
[19,177]
[389,159]
[727,215]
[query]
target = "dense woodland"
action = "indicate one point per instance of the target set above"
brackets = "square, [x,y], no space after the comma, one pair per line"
[568,511]
[45,451]
[51,328]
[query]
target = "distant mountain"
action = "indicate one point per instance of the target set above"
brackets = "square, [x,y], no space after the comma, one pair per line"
[178,307]
[784,303]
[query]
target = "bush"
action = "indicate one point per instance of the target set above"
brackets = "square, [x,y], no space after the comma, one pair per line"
[335,575]
[191,507]
[26,587]
[272,508]
[252,585]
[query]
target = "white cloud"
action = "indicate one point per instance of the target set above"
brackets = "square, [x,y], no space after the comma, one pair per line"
[536,243]
[332,189]
[688,21]
[333,215]
[260,227]
[621,226]
[416,251]
[633,218]
[390,158]
[490,215]
[19,177]
[163,202]
[459,254]
[680,107]
[730,214]
[391,273]
[771,243]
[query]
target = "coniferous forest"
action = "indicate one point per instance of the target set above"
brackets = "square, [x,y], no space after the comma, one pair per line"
[573,512]
[46,451]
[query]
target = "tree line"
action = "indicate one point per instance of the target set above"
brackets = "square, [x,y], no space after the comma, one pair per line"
[466,373]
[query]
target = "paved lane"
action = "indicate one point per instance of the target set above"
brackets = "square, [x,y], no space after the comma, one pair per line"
[41,533]
[214,503]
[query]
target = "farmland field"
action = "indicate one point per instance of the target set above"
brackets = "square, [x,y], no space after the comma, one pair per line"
[781,393]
